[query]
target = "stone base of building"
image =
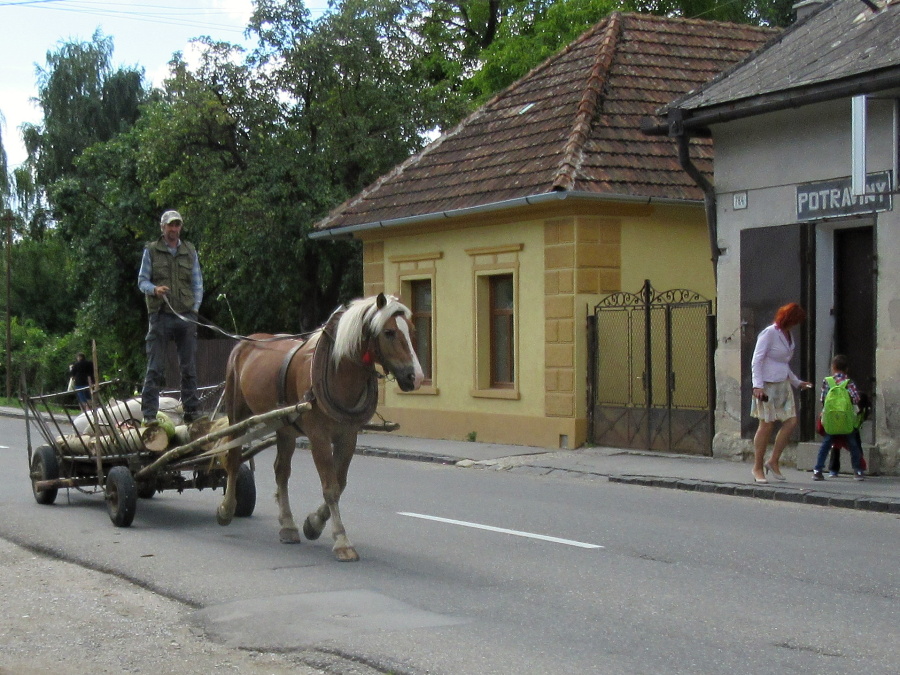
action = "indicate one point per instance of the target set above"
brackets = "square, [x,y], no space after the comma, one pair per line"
[543,432]
[802,456]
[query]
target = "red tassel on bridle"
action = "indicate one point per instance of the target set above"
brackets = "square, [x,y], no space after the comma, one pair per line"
[368,358]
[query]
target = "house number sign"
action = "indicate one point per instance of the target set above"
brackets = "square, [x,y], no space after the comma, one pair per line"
[830,198]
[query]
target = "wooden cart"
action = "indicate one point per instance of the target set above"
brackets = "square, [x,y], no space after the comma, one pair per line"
[106,451]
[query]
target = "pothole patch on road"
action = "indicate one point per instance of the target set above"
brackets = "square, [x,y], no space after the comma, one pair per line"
[303,620]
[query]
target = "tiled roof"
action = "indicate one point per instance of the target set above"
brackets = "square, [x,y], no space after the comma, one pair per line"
[842,40]
[571,124]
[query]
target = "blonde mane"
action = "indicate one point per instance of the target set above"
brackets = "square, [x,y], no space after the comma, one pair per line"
[362,318]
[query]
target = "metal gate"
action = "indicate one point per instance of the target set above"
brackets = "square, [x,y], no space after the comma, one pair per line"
[651,384]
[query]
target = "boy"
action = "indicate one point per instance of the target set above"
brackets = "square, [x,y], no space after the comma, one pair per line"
[834,464]
[838,368]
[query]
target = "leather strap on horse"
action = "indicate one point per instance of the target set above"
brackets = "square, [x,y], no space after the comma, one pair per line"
[322,371]
[283,371]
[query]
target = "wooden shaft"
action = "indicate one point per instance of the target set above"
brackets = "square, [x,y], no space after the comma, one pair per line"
[290,412]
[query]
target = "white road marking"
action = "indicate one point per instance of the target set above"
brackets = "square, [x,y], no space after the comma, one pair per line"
[502,530]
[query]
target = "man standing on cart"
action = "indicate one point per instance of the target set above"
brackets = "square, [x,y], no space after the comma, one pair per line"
[172,284]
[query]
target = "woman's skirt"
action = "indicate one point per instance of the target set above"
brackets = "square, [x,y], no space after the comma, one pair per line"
[779,407]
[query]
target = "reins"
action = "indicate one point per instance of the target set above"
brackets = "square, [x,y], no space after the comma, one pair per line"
[241,338]
[321,383]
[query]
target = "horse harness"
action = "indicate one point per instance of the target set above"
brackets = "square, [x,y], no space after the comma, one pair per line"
[321,372]
[283,371]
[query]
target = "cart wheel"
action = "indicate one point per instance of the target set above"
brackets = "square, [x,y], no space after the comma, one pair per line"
[121,496]
[146,489]
[44,466]
[245,492]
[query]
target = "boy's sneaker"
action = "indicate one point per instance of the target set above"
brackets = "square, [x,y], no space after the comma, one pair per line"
[832,474]
[860,475]
[817,475]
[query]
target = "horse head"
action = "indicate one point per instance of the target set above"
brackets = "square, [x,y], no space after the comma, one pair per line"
[379,330]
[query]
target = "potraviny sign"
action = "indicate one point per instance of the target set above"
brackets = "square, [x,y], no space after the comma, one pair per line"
[831,198]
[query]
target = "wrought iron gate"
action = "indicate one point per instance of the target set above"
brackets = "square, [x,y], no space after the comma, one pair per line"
[651,384]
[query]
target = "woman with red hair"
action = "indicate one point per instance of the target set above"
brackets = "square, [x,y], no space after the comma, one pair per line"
[773,396]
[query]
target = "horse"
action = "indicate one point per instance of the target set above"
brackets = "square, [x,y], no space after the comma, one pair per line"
[334,369]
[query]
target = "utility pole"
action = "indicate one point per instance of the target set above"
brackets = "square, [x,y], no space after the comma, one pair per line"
[9,223]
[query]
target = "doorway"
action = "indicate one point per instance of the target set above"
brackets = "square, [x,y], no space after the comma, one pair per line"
[854,303]
[777,268]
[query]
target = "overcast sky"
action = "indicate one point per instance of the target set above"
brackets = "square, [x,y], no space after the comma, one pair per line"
[145,34]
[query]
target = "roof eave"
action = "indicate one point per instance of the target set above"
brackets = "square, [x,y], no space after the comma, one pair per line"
[348,231]
[700,118]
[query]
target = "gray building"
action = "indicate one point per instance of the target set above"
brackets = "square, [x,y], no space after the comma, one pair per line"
[801,208]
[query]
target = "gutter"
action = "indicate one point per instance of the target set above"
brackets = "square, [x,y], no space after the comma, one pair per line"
[348,231]
[709,198]
[773,102]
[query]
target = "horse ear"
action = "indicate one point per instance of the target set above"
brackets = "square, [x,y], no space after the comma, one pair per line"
[380,301]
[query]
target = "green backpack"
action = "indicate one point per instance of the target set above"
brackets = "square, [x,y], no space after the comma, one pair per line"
[838,415]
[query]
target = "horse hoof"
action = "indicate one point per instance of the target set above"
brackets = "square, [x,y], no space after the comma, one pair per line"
[346,554]
[222,518]
[289,535]
[309,531]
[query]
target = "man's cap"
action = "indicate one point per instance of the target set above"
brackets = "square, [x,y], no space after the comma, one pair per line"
[169,216]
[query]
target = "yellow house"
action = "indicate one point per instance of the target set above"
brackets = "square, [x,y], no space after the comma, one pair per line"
[505,233]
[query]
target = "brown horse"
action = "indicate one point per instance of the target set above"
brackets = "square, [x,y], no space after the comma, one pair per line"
[335,370]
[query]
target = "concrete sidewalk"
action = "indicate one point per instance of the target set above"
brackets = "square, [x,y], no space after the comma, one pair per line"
[634,467]
[654,469]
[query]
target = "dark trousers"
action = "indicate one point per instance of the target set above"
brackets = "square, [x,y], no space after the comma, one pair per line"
[852,444]
[164,327]
[834,462]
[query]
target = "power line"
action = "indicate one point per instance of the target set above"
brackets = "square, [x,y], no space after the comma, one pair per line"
[25,2]
[167,15]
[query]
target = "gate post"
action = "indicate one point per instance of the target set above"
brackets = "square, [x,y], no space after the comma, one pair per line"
[647,293]
[711,342]
[591,371]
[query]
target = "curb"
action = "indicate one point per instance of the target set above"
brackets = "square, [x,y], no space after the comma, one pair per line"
[410,455]
[770,492]
[784,494]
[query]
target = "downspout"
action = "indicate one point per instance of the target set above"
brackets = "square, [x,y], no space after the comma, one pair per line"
[676,130]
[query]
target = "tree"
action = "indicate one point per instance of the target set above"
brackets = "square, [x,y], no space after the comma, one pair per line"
[5,182]
[84,101]
[34,220]
[63,209]
[40,284]
[755,12]
[536,31]
[352,86]
[456,33]
[105,217]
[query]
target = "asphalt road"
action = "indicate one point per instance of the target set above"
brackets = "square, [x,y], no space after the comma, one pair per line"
[467,571]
